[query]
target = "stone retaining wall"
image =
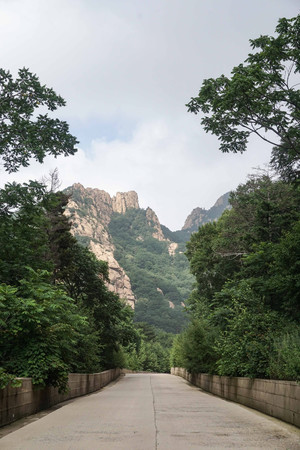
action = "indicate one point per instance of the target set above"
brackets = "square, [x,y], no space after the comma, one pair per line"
[16,403]
[280,399]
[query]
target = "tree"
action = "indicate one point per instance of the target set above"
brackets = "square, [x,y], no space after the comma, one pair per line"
[249,241]
[35,238]
[23,235]
[247,292]
[262,209]
[43,333]
[22,136]
[204,260]
[244,348]
[261,97]
[198,351]
[150,351]
[84,278]
[34,232]
[52,181]
[56,313]
[273,272]
[285,361]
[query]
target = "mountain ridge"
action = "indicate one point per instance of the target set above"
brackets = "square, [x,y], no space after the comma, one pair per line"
[137,248]
[200,216]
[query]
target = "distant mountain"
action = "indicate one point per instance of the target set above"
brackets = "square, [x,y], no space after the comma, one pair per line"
[197,218]
[200,216]
[157,268]
[147,265]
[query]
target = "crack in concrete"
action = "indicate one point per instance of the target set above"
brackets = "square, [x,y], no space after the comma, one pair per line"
[154,413]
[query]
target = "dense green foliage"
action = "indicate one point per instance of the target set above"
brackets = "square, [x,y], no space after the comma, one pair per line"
[157,277]
[194,348]
[44,335]
[56,314]
[24,133]
[261,97]
[247,264]
[151,352]
[245,309]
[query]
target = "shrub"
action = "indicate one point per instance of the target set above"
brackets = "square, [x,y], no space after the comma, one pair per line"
[285,361]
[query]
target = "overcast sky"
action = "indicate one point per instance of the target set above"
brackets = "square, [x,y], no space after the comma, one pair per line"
[126,69]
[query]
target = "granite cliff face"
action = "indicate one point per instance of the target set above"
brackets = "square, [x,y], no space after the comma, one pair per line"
[154,222]
[124,201]
[91,211]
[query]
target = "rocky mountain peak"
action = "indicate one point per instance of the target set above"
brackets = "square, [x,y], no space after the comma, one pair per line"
[91,211]
[194,219]
[123,201]
[200,216]
[92,214]
[154,222]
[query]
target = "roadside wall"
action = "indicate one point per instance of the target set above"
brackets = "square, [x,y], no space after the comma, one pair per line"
[16,403]
[280,399]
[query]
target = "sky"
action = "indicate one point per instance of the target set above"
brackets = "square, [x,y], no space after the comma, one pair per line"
[126,69]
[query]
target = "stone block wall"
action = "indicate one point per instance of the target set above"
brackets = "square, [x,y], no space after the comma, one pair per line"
[16,403]
[280,399]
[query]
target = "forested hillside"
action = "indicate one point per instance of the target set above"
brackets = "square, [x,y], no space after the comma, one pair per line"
[158,270]
[146,261]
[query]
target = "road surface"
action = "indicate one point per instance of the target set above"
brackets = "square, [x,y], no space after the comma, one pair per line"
[149,412]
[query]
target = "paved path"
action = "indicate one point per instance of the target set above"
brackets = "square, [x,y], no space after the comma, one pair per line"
[149,412]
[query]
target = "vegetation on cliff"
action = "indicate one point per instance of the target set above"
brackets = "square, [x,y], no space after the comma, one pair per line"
[136,245]
[160,279]
[153,257]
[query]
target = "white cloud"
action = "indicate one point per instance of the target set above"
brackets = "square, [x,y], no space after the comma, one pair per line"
[168,168]
[136,64]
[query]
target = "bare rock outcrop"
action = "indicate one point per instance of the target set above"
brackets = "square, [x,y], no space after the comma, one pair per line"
[90,211]
[123,201]
[195,218]
[119,282]
[172,248]
[200,216]
[154,222]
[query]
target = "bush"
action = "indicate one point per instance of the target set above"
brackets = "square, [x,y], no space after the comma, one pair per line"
[42,333]
[176,354]
[285,361]
[246,345]
[152,352]
[194,348]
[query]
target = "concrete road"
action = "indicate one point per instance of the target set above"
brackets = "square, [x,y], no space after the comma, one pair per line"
[152,411]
